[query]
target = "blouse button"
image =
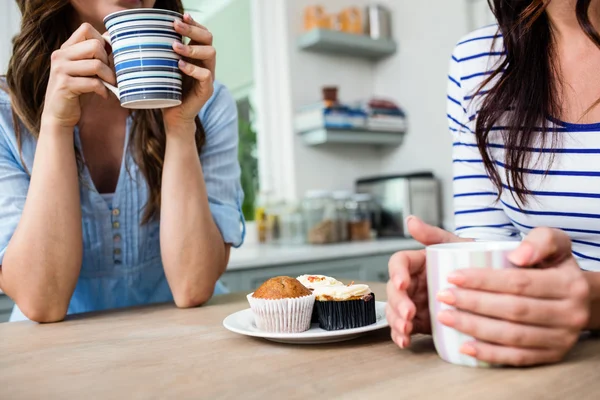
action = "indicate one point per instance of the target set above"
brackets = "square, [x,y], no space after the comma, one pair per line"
[116,212]
[116,225]
[117,252]
[117,238]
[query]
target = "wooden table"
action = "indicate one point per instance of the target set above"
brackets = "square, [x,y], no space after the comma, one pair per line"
[160,352]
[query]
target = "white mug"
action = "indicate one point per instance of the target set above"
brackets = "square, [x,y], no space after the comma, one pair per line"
[442,259]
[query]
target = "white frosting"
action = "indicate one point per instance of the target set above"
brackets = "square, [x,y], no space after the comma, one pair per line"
[343,292]
[316,281]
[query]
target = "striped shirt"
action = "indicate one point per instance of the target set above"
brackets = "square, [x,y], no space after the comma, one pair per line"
[567,197]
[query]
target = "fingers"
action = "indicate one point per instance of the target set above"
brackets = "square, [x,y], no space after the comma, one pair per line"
[400,303]
[91,68]
[539,283]
[428,235]
[517,357]
[405,264]
[203,53]
[512,308]
[81,85]
[542,245]
[507,333]
[195,32]
[202,75]
[83,33]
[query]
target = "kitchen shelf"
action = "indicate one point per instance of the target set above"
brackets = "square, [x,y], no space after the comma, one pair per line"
[349,136]
[334,42]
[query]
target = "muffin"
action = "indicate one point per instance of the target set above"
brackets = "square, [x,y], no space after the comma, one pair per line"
[282,305]
[345,307]
[315,281]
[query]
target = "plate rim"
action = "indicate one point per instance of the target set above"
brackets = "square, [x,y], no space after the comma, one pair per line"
[382,323]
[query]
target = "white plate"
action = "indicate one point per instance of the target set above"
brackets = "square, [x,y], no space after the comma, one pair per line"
[242,322]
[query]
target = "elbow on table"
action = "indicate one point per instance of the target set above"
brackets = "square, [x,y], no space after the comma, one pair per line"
[43,312]
[190,297]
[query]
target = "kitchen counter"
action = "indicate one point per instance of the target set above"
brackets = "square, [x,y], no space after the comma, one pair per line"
[161,352]
[264,255]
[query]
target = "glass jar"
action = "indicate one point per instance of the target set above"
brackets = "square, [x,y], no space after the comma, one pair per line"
[341,212]
[359,217]
[319,215]
[292,226]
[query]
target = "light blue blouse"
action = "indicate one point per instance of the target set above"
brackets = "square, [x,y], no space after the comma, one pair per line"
[121,257]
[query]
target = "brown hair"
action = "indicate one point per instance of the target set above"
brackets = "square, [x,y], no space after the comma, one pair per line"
[526,91]
[43,30]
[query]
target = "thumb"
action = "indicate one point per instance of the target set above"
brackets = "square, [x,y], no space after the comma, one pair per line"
[428,234]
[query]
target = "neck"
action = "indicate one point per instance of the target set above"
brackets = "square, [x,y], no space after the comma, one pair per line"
[563,17]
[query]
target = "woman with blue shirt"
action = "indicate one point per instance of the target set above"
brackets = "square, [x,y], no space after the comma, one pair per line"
[102,208]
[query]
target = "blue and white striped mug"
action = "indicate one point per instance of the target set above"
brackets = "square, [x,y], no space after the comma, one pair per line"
[148,75]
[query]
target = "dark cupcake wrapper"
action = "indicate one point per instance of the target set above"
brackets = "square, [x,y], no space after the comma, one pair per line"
[336,315]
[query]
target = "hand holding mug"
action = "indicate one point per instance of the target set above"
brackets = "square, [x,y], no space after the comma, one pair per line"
[521,316]
[407,309]
[198,62]
[77,68]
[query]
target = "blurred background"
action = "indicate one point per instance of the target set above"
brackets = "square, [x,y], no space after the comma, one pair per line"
[343,129]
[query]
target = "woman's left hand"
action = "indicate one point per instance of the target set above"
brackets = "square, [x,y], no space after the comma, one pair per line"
[198,61]
[522,316]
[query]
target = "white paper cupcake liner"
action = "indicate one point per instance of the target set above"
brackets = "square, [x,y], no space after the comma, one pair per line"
[282,315]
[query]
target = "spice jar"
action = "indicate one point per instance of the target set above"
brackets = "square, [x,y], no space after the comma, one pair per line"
[359,217]
[292,226]
[340,199]
[319,214]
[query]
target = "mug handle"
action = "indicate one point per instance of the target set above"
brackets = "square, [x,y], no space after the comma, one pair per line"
[110,87]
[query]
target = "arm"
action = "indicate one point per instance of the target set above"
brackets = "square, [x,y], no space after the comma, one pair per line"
[43,258]
[200,216]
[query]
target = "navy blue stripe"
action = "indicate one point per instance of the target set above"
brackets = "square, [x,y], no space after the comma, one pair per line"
[462,228]
[453,129]
[462,177]
[583,242]
[466,78]
[474,194]
[489,54]
[563,229]
[477,211]
[467,160]
[455,59]
[552,213]
[458,123]
[554,173]
[454,100]
[455,81]
[145,32]
[146,62]
[479,38]
[479,93]
[535,150]
[549,129]
[584,256]
[558,194]
[149,89]
[153,76]
[146,68]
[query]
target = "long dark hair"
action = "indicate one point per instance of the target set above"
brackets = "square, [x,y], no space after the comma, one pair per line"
[526,89]
[43,30]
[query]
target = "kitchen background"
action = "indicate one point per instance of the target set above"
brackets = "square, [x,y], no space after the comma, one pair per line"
[330,93]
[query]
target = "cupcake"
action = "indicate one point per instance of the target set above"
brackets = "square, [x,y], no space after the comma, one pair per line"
[316,281]
[282,305]
[345,307]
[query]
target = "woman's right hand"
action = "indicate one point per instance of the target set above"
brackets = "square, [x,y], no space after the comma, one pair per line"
[76,68]
[407,309]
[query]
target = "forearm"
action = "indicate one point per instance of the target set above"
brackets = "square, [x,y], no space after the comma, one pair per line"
[594,282]
[43,259]
[193,252]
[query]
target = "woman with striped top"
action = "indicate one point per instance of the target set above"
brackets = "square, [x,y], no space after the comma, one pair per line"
[523,109]
[101,207]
